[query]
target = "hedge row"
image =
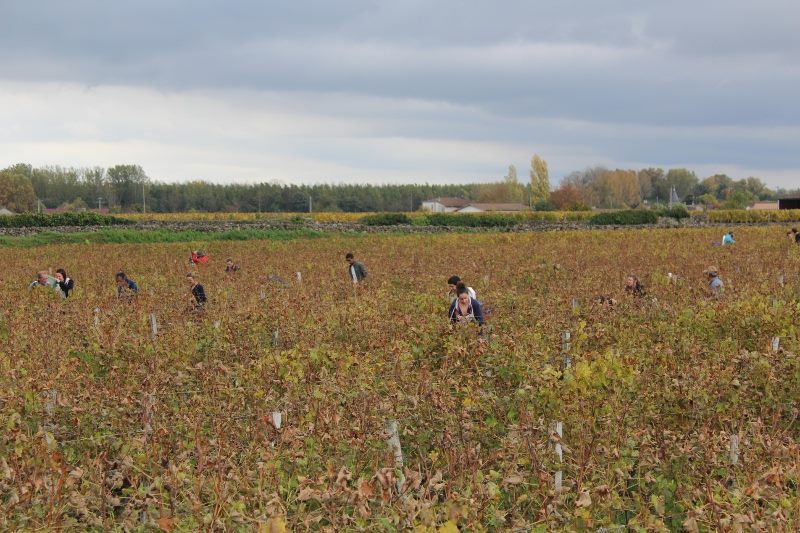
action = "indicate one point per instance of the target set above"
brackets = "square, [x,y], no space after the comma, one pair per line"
[744,215]
[622,218]
[26,220]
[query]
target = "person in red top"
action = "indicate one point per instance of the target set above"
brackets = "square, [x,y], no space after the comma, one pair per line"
[198,257]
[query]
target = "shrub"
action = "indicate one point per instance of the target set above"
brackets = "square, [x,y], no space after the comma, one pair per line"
[677,212]
[27,220]
[623,218]
[473,220]
[385,219]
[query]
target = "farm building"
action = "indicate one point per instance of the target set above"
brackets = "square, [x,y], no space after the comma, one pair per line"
[503,207]
[764,206]
[444,205]
[789,203]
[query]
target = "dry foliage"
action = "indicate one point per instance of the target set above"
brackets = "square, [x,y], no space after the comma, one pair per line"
[177,433]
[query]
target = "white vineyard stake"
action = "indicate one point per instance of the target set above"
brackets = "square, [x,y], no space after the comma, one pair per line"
[153,325]
[299,277]
[147,414]
[277,419]
[776,344]
[558,429]
[49,409]
[566,336]
[96,317]
[393,440]
[734,449]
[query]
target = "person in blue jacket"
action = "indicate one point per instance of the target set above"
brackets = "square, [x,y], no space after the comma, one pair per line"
[126,286]
[728,238]
[465,308]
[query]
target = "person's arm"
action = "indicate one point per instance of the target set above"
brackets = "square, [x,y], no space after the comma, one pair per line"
[451,314]
[477,310]
[33,284]
[353,273]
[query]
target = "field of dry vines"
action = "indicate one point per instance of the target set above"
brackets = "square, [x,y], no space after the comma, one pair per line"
[269,411]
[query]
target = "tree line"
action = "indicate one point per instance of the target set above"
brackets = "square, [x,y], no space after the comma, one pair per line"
[128,188]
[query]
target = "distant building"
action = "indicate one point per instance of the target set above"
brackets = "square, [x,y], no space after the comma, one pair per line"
[789,203]
[764,206]
[444,204]
[503,208]
[4,211]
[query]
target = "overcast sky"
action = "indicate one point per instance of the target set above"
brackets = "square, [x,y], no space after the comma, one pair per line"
[402,91]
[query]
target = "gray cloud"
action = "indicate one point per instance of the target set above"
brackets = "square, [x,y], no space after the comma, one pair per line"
[621,81]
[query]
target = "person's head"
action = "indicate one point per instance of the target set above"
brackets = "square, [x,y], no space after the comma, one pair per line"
[61,274]
[711,272]
[121,278]
[229,262]
[349,257]
[794,230]
[462,293]
[631,281]
[191,279]
[41,276]
[453,282]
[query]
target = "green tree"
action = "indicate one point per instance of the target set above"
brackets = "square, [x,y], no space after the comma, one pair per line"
[515,190]
[16,191]
[540,180]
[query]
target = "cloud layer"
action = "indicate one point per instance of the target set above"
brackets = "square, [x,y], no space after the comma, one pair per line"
[406,91]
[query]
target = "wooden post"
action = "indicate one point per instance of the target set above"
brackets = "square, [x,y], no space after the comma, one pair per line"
[277,419]
[734,449]
[299,277]
[263,293]
[776,344]
[216,324]
[393,441]
[153,326]
[97,317]
[576,305]
[781,280]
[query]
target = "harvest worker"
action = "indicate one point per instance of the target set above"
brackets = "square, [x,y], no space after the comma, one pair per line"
[356,269]
[728,238]
[126,286]
[198,257]
[633,286]
[452,283]
[43,279]
[198,293]
[65,283]
[230,267]
[465,308]
[715,284]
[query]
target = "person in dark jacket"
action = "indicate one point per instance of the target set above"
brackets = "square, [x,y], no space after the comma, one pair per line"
[198,293]
[465,308]
[356,269]
[65,283]
[126,286]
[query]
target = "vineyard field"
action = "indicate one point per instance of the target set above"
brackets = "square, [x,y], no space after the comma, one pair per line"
[271,409]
